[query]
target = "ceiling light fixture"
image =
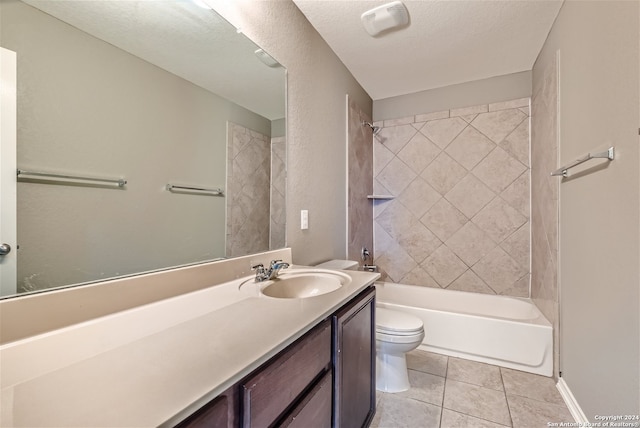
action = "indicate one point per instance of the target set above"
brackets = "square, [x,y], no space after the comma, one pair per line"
[385,17]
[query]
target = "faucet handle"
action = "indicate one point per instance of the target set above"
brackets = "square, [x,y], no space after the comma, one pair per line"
[259,268]
[279,264]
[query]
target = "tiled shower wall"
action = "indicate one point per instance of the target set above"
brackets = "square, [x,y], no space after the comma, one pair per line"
[248,191]
[459,217]
[544,196]
[278,189]
[360,172]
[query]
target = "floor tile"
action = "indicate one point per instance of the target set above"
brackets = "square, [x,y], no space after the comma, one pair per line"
[427,362]
[425,387]
[477,401]
[475,373]
[451,419]
[530,413]
[398,412]
[530,385]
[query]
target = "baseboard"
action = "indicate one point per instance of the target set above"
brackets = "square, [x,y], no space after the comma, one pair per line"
[572,403]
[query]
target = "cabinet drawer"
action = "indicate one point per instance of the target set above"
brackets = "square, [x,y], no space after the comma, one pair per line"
[269,392]
[314,411]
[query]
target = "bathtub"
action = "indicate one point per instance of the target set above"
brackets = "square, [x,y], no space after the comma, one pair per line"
[506,331]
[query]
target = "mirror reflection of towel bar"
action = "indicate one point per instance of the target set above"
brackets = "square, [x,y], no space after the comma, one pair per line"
[120,182]
[608,154]
[195,190]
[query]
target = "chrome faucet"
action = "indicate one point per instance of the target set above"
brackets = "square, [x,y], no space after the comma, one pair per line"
[263,274]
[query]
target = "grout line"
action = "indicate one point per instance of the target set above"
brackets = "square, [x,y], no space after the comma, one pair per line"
[506,400]
[444,391]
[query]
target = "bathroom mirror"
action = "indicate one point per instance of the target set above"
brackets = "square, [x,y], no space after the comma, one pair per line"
[156,93]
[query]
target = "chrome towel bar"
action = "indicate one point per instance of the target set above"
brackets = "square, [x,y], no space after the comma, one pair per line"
[563,171]
[120,182]
[199,190]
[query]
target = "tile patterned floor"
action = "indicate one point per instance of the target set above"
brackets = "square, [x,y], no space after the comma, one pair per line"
[448,392]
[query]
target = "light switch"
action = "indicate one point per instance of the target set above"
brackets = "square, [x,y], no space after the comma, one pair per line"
[304,219]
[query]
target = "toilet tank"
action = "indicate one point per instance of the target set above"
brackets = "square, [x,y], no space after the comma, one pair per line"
[339,265]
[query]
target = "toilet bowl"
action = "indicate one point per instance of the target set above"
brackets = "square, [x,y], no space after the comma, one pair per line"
[396,334]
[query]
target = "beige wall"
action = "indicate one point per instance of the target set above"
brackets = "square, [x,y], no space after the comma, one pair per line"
[484,91]
[316,122]
[88,108]
[599,278]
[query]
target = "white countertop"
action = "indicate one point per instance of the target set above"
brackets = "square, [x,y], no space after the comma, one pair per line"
[155,364]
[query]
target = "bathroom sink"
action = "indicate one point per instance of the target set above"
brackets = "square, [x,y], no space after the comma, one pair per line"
[298,284]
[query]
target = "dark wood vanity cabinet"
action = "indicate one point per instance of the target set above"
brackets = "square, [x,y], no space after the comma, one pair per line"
[221,412]
[354,365]
[324,379]
[289,378]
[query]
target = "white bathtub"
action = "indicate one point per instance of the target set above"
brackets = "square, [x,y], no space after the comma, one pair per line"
[506,331]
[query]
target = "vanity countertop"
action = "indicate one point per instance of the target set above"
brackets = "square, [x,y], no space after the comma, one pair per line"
[155,364]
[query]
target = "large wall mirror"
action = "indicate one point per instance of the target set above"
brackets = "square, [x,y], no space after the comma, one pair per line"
[154,93]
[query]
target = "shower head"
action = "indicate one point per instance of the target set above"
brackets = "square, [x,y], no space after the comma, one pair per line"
[375,129]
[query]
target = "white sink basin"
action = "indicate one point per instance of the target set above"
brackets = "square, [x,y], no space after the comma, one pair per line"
[298,284]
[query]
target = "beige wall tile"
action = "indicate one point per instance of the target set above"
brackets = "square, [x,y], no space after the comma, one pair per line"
[470,195]
[497,125]
[418,153]
[432,116]
[517,143]
[465,111]
[443,131]
[444,219]
[498,270]
[470,147]
[499,220]
[444,266]
[470,243]
[518,246]
[395,137]
[498,170]
[401,121]
[443,173]
[396,176]
[420,277]
[517,194]
[520,102]
[419,197]
[470,282]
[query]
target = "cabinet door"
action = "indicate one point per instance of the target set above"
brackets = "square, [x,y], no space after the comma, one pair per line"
[354,362]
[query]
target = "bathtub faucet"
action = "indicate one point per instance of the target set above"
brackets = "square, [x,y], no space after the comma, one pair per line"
[263,274]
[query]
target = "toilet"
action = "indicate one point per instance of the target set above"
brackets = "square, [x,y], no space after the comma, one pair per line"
[396,334]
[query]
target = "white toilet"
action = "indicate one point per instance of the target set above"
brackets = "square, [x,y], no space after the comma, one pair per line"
[396,334]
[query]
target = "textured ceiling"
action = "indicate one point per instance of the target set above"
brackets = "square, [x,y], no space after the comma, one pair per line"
[446,41]
[184,39]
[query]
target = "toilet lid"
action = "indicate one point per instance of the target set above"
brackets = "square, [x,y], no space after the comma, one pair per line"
[395,322]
